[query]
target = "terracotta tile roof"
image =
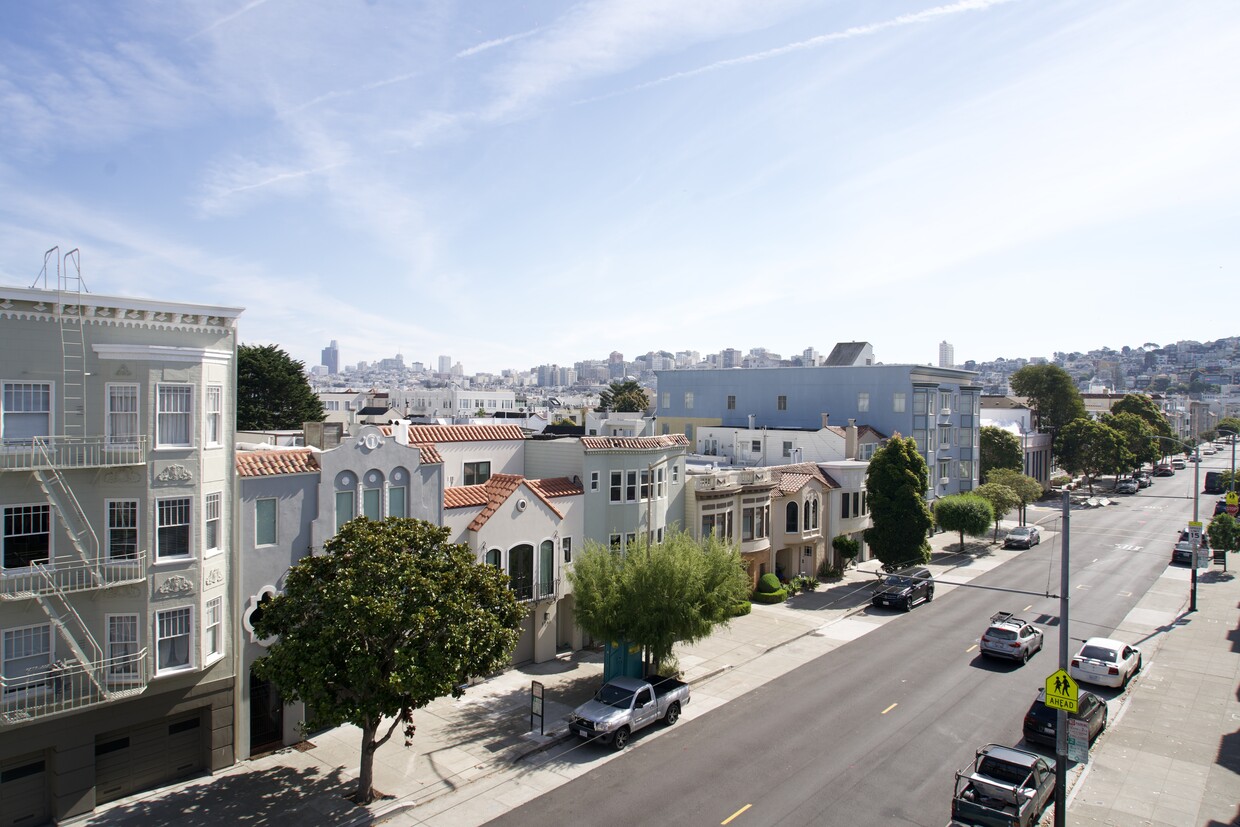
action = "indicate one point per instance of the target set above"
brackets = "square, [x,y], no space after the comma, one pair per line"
[791,483]
[430,454]
[494,493]
[273,463]
[556,487]
[866,429]
[465,496]
[792,478]
[464,433]
[641,443]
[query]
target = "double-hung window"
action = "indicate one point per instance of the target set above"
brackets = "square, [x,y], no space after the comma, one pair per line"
[172,528]
[122,416]
[27,657]
[25,411]
[172,639]
[123,530]
[617,486]
[27,535]
[660,484]
[214,415]
[646,484]
[174,406]
[630,486]
[122,648]
[211,523]
[212,625]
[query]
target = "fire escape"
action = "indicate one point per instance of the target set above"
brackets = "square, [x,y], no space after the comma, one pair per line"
[88,676]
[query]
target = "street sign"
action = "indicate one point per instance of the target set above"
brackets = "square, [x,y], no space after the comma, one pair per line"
[1231,502]
[1062,692]
[1194,532]
[1078,741]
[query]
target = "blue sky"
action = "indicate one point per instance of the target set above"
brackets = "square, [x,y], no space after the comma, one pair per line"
[522,183]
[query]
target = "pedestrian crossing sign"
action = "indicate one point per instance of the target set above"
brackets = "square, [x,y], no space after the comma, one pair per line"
[1061,692]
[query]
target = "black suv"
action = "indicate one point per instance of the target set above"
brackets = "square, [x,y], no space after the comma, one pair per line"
[904,589]
[1040,719]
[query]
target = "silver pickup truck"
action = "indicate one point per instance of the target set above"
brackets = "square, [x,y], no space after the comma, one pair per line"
[625,705]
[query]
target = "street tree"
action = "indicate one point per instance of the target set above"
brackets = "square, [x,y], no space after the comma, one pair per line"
[1002,499]
[656,596]
[1090,448]
[1231,425]
[896,482]
[272,390]
[1144,407]
[624,395]
[1051,393]
[999,448]
[388,618]
[1224,531]
[964,513]
[1139,437]
[1027,489]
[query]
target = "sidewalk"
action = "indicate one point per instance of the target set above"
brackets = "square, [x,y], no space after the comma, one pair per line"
[473,758]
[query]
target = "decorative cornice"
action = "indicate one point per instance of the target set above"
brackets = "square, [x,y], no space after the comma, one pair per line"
[176,584]
[163,353]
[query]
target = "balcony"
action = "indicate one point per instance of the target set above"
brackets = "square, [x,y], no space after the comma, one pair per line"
[71,576]
[68,686]
[65,453]
[528,591]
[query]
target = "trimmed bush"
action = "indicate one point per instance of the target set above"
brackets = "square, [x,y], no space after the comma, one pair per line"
[741,609]
[770,597]
[769,584]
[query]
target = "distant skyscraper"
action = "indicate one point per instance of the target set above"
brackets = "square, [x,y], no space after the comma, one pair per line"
[445,364]
[615,365]
[947,355]
[331,358]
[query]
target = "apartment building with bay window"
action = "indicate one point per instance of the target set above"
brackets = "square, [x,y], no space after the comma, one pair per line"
[116,492]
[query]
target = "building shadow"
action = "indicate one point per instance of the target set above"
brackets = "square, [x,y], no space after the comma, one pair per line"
[276,796]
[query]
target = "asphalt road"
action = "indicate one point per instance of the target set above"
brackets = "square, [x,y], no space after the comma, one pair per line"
[871,732]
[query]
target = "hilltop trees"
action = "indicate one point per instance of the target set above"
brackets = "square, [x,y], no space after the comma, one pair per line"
[896,483]
[388,618]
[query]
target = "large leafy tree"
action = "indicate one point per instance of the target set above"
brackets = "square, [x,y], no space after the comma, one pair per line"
[1147,409]
[1027,489]
[1224,531]
[1002,499]
[1051,393]
[388,618]
[272,391]
[624,395]
[896,482]
[656,596]
[963,513]
[999,449]
[1138,437]
[1230,424]
[1090,448]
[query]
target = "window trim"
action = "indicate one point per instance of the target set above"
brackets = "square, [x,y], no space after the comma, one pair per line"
[218,548]
[210,656]
[189,530]
[50,562]
[472,469]
[209,415]
[189,639]
[51,406]
[594,480]
[110,438]
[109,528]
[23,691]
[132,676]
[275,521]
[186,388]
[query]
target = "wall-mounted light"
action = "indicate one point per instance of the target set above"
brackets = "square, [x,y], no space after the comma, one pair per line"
[547,616]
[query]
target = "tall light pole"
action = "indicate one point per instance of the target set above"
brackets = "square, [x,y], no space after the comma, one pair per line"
[1192,595]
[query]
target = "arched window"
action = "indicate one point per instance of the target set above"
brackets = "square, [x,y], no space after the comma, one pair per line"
[813,505]
[521,570]
[492,557]
[792,518]
[372,495]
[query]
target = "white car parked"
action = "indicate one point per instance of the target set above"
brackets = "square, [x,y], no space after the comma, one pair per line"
[1106,662]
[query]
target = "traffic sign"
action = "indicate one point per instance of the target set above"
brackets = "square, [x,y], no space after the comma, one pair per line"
[1062,692]
[1231,503]
[1078,740]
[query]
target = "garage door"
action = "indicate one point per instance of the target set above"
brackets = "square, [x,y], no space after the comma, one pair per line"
[133,760]
[24,799]
[524,653]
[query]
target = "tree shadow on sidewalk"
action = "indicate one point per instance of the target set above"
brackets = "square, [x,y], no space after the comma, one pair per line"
[847,594]
[276,796]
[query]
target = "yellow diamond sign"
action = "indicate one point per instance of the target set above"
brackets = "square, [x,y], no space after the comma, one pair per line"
[1062,692]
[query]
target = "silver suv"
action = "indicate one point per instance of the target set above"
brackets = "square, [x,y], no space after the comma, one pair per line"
[1011,637]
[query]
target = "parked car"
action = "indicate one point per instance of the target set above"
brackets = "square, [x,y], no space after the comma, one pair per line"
[624,705]
[1126,487]
[1143,478]
[1162,469]
[1220,507]
[1009,636]
[1106,662]
[904,589]
[1183,550]
[1193,458]
[1025,536]
[1178,464]
[1040,719]
[1003,786]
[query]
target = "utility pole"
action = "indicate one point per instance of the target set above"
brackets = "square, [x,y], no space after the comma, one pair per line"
[1061,719]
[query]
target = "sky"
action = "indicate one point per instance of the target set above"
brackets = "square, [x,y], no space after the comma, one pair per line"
[513,183]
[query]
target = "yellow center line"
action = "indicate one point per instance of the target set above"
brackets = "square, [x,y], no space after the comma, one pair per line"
[971,648]
[888,709]
[735,814]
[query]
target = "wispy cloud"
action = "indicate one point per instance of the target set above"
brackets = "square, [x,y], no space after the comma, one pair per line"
[228,18]
[499,41]
[245,177]
[345,93]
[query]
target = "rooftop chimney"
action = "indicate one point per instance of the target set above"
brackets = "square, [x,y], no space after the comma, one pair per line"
[850,440]
[825,418]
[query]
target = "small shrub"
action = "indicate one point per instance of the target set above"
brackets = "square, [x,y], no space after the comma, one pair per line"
[1060,481]
[742,608]
[810,584]
[769,584]
[826,571]
[770,597]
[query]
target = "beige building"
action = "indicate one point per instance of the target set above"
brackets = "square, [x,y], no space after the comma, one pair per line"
[116,487]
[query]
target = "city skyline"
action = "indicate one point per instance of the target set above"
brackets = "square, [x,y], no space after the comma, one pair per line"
[534,185]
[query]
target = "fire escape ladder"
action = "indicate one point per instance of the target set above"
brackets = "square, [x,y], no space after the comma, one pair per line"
[69,290]
[71,516]
[73,631]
